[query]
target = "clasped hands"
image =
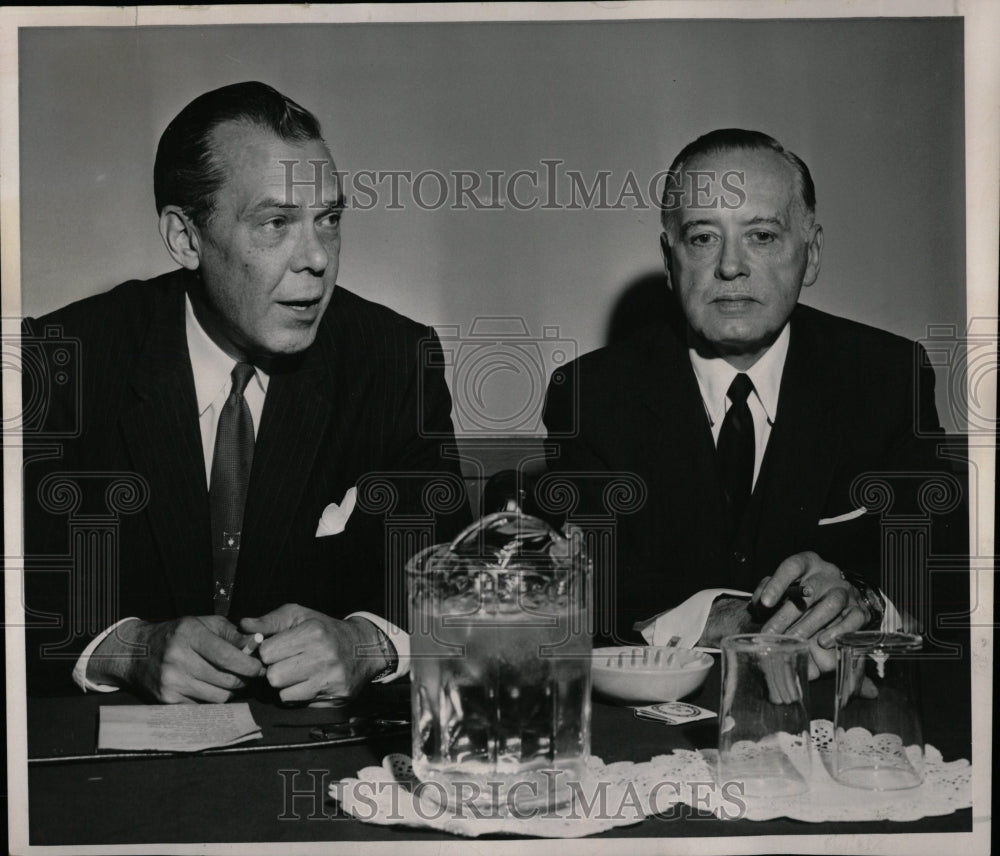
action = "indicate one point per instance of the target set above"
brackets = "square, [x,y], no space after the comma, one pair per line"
[833,606]
[305,654]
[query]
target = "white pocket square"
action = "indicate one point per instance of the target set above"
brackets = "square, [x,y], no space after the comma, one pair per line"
[335,516]
[843,518]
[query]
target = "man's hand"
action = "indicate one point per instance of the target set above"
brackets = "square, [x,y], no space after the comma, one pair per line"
[309,654]
[728,616]
[189,659]
[834,606]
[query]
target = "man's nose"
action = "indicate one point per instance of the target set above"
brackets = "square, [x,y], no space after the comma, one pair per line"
[311,253]
[732,260]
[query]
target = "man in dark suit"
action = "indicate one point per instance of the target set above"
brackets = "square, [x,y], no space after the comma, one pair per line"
[743,425]
[247,424]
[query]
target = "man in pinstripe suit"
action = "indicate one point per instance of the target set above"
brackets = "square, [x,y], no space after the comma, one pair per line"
[336,388]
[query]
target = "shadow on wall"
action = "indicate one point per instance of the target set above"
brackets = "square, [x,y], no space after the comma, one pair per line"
[644,301]
[507,466]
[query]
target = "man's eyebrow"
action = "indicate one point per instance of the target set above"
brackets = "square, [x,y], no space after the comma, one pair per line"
[269,202]
[760,220]
[690,225]
[768,221]
[338,204]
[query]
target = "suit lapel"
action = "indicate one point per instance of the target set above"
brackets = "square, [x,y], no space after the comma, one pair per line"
[162,436]
[684,446]
[802,450]
[798,465]
[297,411]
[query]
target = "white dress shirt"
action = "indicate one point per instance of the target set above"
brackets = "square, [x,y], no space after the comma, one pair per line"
[212,369]
[687,621]
[714,376]
[213,382]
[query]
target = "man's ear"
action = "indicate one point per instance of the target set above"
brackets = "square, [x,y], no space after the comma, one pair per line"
[181,237]
[814,249]
[666,253]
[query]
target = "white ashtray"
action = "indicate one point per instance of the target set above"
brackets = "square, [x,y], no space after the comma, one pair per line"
[637,673]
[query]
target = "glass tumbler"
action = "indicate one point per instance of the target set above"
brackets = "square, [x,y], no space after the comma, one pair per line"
[878,740]
[764,744]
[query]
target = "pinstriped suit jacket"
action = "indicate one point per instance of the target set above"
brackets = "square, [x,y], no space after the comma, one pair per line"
[116,502]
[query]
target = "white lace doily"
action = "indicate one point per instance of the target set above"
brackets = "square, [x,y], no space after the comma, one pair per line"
[623,793]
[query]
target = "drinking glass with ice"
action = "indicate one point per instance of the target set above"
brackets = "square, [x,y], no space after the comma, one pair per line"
[500,672]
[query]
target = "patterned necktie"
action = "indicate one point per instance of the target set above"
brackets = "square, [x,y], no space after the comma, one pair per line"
[227,493]
[736,447]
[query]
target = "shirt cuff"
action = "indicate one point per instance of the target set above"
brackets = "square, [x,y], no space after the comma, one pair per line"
[399,639]
[80,669]
[892,621]
[686,621]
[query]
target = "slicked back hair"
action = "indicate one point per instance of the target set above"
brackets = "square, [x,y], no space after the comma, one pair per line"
[188,173]
[727,140]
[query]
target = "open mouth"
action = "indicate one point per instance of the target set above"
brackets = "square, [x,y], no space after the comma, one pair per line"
[300,305]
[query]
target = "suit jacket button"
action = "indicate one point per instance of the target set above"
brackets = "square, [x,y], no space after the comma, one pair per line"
[740,558]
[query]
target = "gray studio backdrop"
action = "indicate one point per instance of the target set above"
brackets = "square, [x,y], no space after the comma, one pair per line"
[874,107]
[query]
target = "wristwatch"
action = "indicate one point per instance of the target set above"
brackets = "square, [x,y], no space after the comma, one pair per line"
[871,599]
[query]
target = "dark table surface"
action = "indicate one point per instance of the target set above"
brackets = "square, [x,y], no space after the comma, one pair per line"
[248,797]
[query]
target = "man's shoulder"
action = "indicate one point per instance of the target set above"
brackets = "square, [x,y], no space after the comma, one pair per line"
[127,306]
[628,358]
[352,315]
[848,339]
[596,388]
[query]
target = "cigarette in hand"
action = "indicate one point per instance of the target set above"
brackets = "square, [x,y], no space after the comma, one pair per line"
[253,644]
[797,593]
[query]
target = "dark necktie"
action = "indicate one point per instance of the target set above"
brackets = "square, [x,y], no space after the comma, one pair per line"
[736,447]
[227,493]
